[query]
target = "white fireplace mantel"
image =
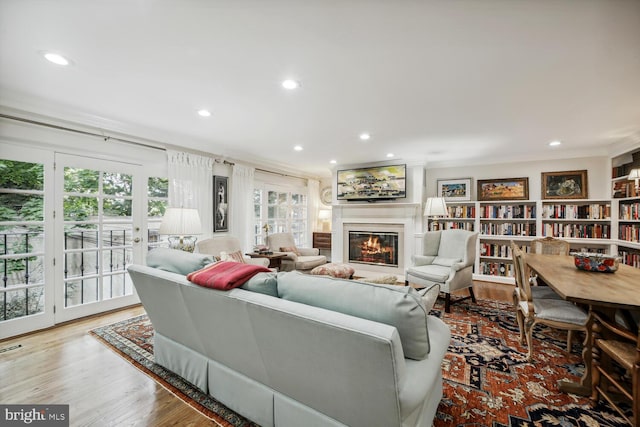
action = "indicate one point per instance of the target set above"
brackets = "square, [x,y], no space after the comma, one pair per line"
[408,215]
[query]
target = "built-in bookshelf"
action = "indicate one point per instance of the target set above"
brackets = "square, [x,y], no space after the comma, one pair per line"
[462,216]
[586,219]
[627,233]
[602,226]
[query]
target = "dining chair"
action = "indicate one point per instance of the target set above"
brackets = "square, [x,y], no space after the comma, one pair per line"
[530,311]
[615,345]
[548,246]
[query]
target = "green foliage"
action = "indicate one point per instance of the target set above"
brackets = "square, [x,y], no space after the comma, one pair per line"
[21,175]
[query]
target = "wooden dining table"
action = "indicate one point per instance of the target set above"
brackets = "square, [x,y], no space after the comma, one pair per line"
[604,293]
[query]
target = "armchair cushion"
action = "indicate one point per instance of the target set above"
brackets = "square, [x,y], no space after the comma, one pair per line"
[422,259]
[432,273]
[445,262]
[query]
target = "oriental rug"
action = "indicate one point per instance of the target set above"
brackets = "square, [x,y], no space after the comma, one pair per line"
[487,379]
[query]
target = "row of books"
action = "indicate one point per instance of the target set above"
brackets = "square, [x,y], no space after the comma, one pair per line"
[591,211]
[631,258]
[629,232]
[622,189]
[630,211]
[508,211]
[462,211]
[620,171]
[508,229]
[498,250]
[579,231]
[457,225]
[496,269]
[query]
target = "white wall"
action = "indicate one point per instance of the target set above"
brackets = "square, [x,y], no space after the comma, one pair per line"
[598,174]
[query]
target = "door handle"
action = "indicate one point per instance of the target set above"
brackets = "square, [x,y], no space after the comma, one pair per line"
[137,240]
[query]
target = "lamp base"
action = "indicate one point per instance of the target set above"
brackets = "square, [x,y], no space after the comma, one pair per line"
[183,243]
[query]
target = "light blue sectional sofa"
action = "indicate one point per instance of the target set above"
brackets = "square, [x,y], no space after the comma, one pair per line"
[284,351]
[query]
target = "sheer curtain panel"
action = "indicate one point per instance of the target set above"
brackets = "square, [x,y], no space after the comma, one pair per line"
[191,186]
[241,205]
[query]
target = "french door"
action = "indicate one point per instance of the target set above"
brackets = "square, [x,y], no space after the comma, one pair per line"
[98,234]
[26,249]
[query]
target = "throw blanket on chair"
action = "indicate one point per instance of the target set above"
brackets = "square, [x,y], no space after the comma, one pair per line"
[225,275]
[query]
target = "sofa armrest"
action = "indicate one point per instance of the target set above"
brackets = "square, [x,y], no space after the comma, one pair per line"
[309,251]
[290,256]
[257,261]
[418,260]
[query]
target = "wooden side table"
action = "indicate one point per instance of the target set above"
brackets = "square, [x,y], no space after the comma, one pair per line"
[275,258]
[322,241]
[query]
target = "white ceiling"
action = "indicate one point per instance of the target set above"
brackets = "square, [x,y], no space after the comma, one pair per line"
[440,82]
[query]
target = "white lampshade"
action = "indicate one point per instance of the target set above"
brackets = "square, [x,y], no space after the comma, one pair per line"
[435,206]
[634,174]
[180,222]
[324,214]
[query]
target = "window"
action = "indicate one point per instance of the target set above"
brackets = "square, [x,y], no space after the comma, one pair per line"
[283,211]
[21,239]
[158,200]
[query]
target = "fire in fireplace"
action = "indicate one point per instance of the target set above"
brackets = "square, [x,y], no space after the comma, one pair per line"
[367,247]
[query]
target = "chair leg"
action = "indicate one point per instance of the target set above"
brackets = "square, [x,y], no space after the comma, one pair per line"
[569,339]
[447,303]
[529,334]
[473,296]
[406,283]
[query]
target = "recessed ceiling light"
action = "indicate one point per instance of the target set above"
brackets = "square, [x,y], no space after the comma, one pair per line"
[290,84]
[204,113]
[56,58]
[298,148]
[390,155]
[365,136]
[333,162]
[554,143]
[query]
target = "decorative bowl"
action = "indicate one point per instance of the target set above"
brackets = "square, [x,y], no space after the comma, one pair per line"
[596,262]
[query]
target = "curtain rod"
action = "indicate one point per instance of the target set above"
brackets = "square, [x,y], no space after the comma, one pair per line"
[82,132]
[281,174]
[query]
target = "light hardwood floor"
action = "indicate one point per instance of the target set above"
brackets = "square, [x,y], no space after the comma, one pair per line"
[65,365]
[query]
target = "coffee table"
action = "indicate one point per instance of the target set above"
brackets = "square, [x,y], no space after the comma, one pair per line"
[275,258]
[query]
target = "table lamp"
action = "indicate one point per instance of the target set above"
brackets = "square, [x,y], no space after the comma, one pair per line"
[435,208]
[181,224]
[324,215]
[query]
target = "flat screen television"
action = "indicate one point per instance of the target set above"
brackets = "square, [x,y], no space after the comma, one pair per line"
[372,183]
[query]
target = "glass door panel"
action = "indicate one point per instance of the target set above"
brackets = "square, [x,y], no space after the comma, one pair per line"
[101,221]
[26,291]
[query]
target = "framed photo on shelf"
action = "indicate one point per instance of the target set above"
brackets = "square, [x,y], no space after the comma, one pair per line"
[220,204]
[455,189]
[503,189]
[564,185]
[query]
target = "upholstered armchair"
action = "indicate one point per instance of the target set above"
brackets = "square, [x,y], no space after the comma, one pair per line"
[228,244]
[301,259]
[446,259]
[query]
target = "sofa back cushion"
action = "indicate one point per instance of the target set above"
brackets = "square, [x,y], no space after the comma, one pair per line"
[264,283]
[398,306]
[177,261]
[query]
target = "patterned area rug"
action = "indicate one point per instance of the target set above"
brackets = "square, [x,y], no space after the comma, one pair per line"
[487,379]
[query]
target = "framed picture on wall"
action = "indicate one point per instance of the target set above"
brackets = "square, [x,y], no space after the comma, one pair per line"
[220,204]
[564,185]
[455,189]
[503,189]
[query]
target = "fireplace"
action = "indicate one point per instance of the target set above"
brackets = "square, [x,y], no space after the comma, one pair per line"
[373,248]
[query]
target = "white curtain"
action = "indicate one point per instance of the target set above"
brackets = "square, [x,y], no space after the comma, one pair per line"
[313,204]
[191,186]
[241,205]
